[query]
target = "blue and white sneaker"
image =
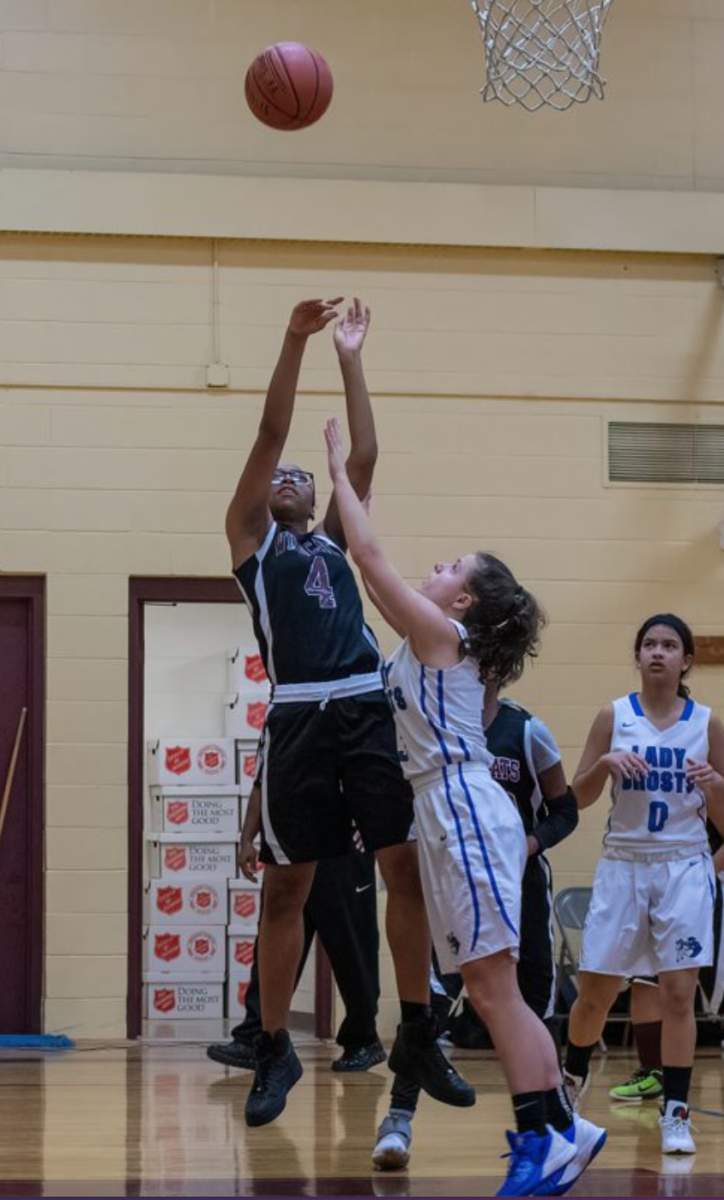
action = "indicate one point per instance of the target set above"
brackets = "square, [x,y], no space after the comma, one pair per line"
[537,1162]
[588,1139]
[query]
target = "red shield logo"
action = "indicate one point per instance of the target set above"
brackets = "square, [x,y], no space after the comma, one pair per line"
[169,900]
[245,904]
[201,946]
[249,766]
[244,953]
[164,999]
[167,946]
[177,812]
[256,715]
[254,668]
[211,759]
[178,759]
[203,899]
[174,858]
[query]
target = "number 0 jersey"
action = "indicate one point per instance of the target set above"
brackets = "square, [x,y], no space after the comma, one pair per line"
[307,610]
[662,813]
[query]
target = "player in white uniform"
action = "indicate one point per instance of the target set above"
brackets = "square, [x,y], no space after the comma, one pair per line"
[652,905]
[470,620]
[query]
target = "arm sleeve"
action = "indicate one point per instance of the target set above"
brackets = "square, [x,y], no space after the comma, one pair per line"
[560,813]
[559,822]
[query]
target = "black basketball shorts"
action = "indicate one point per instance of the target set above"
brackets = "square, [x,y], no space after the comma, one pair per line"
[325,766]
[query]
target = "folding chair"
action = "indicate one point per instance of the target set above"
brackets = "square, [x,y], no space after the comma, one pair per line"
[570,907]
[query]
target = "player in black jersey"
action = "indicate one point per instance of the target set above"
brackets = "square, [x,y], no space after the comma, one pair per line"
[330,753]
[528,765]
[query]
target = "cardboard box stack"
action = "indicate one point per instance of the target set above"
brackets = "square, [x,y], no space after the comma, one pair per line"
[244,716]
[195,813]
[201,919]
[245,710]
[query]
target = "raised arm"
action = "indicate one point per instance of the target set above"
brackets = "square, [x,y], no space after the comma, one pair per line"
[248,517]
[349,337]
[434,639]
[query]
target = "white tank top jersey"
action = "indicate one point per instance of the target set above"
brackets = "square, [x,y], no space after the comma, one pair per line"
[662,813]
[438,714]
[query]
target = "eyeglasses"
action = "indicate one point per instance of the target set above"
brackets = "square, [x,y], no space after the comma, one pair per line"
[298,477]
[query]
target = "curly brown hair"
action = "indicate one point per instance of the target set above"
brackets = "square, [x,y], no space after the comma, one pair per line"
[504,623]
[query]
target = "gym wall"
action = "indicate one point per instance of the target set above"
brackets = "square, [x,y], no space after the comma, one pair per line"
[494,370]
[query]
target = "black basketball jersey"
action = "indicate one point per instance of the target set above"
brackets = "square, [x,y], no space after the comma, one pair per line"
[306,609]
[507,738]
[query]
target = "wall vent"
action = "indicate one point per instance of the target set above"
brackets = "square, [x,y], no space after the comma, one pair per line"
[648,452]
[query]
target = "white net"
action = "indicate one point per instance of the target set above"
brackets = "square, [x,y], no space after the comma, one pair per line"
[542,52]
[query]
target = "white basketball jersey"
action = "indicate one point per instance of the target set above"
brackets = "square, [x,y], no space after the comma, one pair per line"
[663,811]
[438,713]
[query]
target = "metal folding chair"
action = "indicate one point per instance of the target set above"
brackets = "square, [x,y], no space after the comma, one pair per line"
[570,907]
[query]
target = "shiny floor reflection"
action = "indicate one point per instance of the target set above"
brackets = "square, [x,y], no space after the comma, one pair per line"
[120,1120]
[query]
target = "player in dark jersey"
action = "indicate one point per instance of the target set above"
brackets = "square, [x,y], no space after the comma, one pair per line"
[528,765]
[342,910]
[330,755]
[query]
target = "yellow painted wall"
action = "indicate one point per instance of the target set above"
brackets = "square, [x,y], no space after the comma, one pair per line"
[158,85]
[493,374]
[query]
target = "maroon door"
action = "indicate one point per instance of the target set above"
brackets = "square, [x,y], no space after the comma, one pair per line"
[22,664]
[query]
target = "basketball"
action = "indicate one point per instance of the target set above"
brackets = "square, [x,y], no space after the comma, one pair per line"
[288,86]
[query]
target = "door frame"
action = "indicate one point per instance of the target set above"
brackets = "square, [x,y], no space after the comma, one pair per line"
[32,588]
[173,589]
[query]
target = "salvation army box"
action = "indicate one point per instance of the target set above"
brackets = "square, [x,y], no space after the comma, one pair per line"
[196,809]
[172,855]
[168,998]
[245,672]
[183,761]
[185,949]
[199,901]
[244,906]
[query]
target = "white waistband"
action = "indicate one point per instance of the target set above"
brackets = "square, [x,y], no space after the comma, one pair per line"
[472,770]
[328,689]
[670,854]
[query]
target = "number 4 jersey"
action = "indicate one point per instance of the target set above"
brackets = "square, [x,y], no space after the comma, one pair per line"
[307,610]
[661,812]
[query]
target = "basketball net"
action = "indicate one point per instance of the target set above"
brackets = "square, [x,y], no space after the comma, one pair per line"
[542,52]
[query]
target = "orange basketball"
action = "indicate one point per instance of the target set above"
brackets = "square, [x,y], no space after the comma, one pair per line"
[288,86]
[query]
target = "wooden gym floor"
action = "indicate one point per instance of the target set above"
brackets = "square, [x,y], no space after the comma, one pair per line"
[133,1120]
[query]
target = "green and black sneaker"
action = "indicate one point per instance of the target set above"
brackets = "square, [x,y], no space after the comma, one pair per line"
[643,1085]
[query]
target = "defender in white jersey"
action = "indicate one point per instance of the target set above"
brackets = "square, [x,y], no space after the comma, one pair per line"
[651,911]
[470,621]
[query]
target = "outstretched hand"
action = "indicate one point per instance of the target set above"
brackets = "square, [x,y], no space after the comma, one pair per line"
[310,316]
[351,330]
[335,450]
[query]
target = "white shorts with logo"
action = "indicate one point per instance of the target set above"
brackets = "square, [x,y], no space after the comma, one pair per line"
[472,851]
[646,917]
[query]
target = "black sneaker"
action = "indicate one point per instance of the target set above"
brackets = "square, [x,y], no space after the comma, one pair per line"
[417,1057]
[233,1054]
[360,1058]
[277,1070]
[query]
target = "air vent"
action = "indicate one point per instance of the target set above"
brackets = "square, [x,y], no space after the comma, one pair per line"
[641,452]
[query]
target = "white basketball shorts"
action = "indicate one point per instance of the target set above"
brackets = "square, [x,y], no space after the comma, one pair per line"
[472,852]
[647,917]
